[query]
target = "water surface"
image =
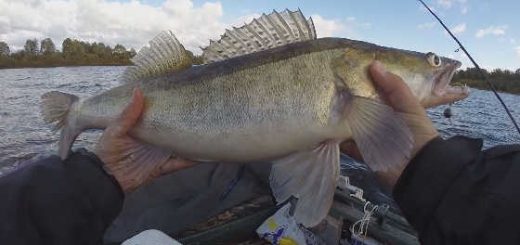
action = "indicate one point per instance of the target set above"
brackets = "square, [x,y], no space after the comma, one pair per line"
[24,135]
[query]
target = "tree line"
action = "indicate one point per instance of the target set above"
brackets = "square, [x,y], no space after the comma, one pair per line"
[74,53]
[503,79]
[80,53]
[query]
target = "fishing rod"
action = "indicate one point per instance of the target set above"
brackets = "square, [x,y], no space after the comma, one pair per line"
[482,74]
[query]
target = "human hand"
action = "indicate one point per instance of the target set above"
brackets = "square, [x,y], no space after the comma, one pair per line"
[120,152]
[396,94]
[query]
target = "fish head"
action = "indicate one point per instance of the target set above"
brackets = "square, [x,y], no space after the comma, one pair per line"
[426,74]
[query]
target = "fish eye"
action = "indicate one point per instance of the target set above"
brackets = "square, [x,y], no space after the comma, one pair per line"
[433,59]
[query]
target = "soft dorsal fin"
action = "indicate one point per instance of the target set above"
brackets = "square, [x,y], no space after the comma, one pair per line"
[266,32]
[165,55]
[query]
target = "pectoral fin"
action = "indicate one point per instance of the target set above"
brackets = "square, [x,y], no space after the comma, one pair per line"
[309,176]
[381,135]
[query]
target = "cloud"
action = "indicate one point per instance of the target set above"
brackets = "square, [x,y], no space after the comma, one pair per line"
[240,21]
[445,3]
[428,25]
[325,27]
[491,30]
[130,23]
[349,27]
[517,49]
[458,29]
[464,10]
[448,4]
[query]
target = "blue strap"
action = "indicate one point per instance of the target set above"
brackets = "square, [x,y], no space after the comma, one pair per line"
[233,183]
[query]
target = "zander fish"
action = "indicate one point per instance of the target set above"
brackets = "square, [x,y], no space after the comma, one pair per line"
[269,90]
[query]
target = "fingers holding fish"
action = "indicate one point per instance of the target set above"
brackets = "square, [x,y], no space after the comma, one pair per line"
[130,115]
[393,89]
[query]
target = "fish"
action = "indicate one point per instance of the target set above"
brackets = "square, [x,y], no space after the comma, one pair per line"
[269,90]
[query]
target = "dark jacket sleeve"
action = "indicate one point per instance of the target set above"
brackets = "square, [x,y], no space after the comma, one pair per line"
[58,202]
[452,192]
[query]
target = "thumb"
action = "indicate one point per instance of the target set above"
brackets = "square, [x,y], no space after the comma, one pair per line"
[393,89]
[130,115]
[173,164]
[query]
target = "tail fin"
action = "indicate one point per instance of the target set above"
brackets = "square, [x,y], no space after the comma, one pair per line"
[55,109]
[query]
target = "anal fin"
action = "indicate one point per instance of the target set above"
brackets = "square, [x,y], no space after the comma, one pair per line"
[309,176]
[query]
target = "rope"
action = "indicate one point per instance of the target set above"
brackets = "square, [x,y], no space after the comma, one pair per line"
[360,227]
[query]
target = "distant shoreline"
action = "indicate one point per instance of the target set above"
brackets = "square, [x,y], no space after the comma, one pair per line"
[43,54]
[482,85]
[76,53]
[503,87]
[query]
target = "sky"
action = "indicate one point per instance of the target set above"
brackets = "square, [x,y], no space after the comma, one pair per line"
[490,30]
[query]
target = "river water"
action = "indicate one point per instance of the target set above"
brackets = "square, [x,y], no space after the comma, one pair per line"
[23,134]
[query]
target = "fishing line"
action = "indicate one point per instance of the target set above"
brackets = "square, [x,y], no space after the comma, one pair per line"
[482,74]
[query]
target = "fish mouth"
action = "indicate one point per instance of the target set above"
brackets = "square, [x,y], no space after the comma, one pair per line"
[443,92]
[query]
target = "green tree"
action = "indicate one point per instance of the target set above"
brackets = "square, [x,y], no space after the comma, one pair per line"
[119,49]
[100,50]
[4,49]
[504,80]
[72,48]
[132,53]
[31,46]
[74,53]
[196,59]
[47,46]
[66,46]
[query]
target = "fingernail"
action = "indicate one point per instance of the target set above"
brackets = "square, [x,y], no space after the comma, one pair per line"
[378,66]
[135,92]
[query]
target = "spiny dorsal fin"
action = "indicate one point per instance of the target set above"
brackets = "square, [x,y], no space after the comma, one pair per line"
[266,32]
[165,55]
